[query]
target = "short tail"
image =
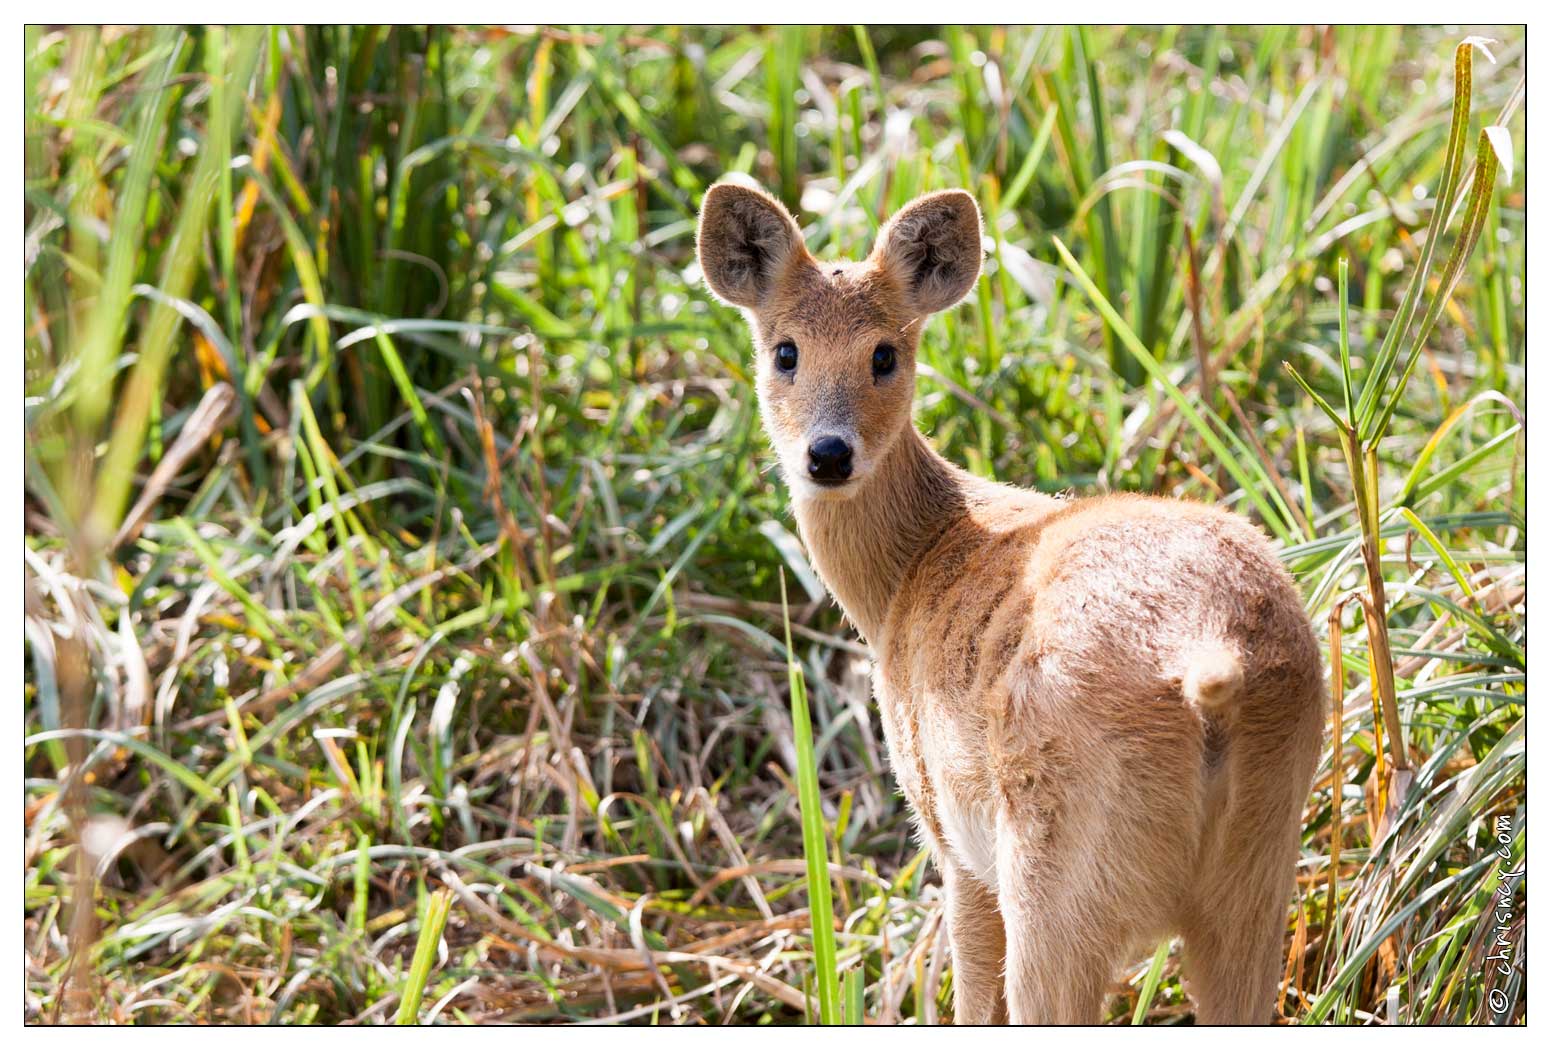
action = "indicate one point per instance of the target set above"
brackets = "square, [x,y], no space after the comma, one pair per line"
[1214,676]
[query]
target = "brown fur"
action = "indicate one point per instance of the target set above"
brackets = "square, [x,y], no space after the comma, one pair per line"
[1104,712]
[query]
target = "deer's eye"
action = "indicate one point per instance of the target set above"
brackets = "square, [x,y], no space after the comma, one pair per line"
[786,356]
[883,360]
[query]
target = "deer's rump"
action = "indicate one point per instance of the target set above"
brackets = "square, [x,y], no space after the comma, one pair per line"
[1123,676]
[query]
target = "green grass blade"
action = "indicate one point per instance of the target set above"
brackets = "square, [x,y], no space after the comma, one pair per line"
[433,920]
[1150,983]
[1185,404]
[1459,130]
[1475,218]
[820,905]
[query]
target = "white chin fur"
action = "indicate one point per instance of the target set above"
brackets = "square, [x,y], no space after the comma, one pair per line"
[804,490]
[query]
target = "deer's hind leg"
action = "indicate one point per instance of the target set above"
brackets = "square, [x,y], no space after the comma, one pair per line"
[1060,941]
[1233,936]
[1233,958]
[1235,924]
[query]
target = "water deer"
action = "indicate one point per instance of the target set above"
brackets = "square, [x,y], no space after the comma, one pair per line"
[1104,712]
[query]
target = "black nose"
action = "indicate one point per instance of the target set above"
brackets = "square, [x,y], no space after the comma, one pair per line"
[829,461]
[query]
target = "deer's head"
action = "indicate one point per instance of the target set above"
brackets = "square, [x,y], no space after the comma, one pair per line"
[835,342]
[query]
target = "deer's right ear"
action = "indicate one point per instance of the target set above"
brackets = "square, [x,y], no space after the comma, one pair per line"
[746,241]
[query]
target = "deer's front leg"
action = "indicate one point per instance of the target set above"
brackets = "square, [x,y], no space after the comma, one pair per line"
[978,936]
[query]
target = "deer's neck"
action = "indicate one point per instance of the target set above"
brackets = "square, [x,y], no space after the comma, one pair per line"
[865,546]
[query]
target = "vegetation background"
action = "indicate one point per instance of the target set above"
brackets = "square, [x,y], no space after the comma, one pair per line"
[403,593]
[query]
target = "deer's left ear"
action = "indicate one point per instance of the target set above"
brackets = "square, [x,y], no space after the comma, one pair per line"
[932,249]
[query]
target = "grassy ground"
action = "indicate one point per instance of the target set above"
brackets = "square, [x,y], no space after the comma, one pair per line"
[403,616]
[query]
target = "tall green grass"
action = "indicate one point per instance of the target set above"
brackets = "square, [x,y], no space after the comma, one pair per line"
[815,845]
[399,521]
